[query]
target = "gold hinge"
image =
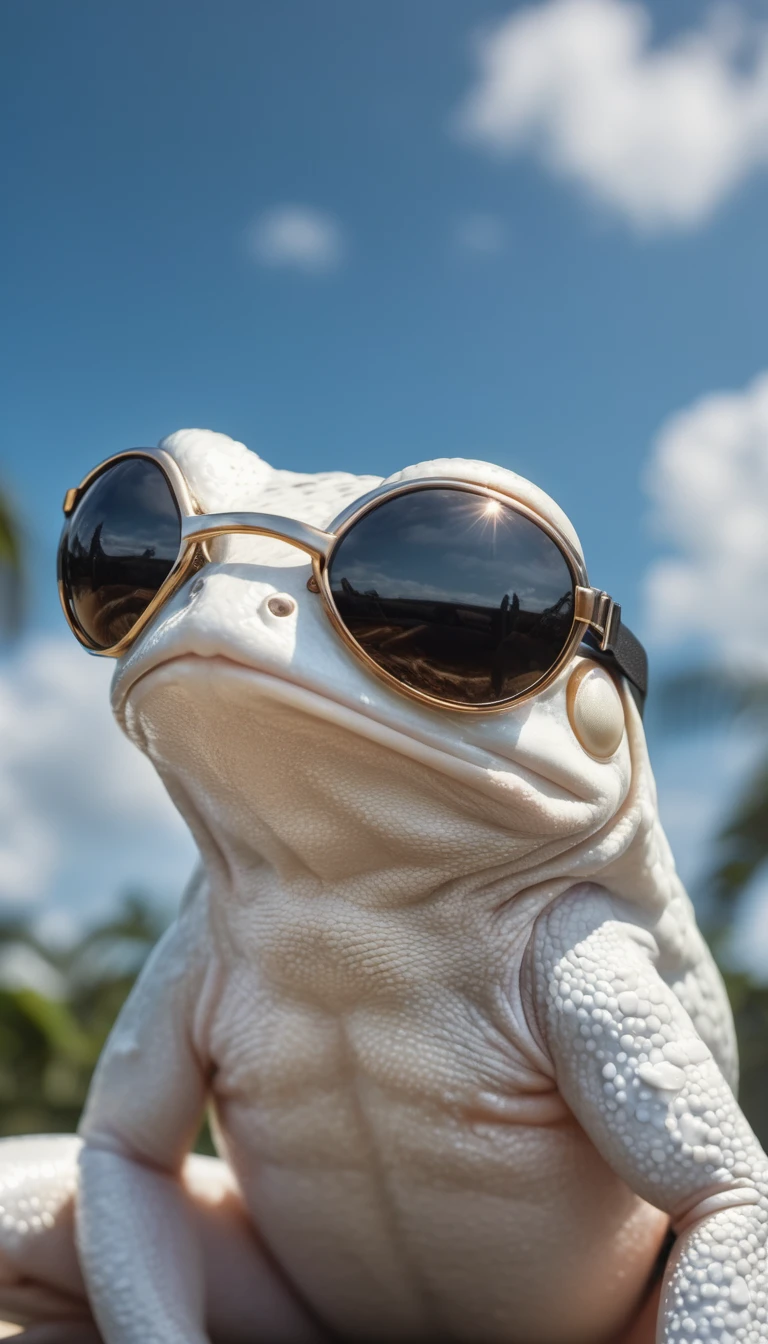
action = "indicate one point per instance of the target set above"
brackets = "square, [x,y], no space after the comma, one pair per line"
[600,612]
[70,499]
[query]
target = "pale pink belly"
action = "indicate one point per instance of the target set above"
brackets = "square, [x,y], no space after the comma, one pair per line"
[416,1225]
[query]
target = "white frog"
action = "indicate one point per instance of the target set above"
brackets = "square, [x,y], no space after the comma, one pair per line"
[467,1055]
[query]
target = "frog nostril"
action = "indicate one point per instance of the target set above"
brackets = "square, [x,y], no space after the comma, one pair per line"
[197,587]
[281,606]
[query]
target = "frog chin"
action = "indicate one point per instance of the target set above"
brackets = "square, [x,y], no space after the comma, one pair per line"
[263,766]
[409,735]
[477,750]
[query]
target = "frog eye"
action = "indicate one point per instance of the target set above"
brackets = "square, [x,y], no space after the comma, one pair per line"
[595,711]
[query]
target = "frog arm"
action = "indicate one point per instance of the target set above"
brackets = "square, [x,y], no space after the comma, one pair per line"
[136,1241]
[645,1088]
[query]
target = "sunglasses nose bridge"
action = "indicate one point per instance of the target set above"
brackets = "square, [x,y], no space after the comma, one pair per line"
[303,536]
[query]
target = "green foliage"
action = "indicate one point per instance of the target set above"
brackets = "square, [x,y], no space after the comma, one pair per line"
[49,1044]
[750,1008]
[11,576]
[703,698]
[45,1063]
[742,844]
[699,699]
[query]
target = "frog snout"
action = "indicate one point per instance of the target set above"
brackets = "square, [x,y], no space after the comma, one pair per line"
[215,598]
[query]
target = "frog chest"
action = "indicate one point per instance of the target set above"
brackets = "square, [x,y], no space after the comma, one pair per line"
[316,1005]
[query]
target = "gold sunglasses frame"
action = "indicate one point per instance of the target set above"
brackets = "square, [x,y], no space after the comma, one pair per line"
[594,610]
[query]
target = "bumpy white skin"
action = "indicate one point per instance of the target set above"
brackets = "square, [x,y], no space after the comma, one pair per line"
[641,1081]
[466,1049]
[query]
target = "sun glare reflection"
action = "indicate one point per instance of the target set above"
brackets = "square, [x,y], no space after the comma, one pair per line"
[488,515]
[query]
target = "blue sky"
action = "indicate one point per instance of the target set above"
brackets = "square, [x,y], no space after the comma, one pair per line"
[476,276]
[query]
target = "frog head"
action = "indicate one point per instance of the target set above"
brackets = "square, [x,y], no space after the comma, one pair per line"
[279,744]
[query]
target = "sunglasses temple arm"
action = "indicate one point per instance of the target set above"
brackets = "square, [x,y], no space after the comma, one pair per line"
[632,660]
[613,641]
[204,527]
[624,653]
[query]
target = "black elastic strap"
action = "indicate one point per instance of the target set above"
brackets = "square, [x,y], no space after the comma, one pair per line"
[625,654]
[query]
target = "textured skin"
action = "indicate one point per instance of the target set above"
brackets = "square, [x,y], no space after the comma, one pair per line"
[467,1052]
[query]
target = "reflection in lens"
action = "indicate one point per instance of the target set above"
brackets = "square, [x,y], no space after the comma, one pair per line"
[454,594]
[120,544]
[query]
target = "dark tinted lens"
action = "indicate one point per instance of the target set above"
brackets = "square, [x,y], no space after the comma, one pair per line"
[454,594]
[121,543]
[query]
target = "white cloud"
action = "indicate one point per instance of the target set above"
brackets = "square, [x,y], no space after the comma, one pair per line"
[481,235]
[298,237]
[708,479]
[83,817]
[659,134]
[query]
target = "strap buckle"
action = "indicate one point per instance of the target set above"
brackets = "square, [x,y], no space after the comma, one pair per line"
[599,611]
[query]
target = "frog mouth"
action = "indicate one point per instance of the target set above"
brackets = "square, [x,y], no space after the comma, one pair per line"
[248,756]
[488,772]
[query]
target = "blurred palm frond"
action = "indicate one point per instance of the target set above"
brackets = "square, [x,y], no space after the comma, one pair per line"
[750,1010]
[11,568]
[703,698]
[50,1042]
[742,841]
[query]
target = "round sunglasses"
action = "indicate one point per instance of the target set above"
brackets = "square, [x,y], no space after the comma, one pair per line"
[459,595]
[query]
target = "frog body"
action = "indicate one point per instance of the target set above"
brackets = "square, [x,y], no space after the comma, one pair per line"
[466,1051]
